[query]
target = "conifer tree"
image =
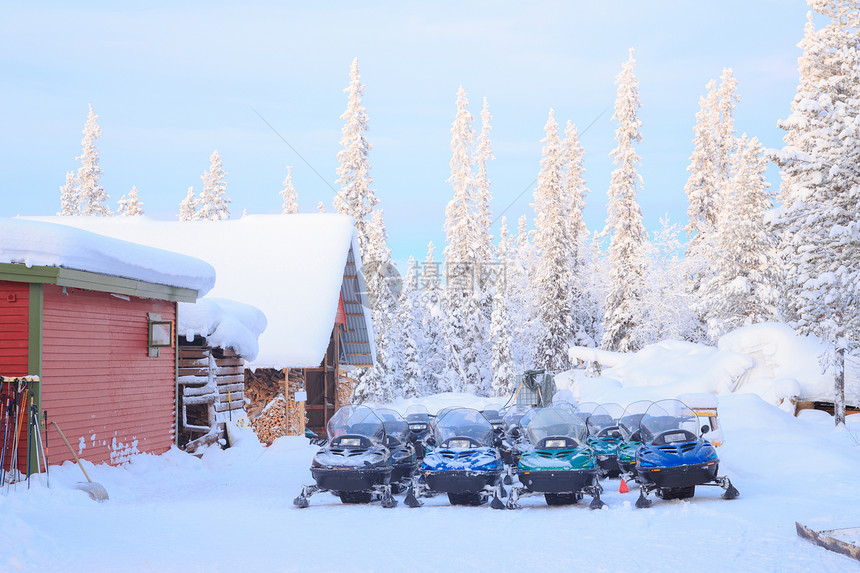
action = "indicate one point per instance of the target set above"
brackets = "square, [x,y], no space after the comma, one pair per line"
[433,353]
[290,203]
[552,282]
[129,205]
[817,224]
[504,377]
[321,207]
[744,289]
[188,207]
[624,313]
[92,196]
[355,198]
[70,203]
[409,317]
[213,198]
[584,331]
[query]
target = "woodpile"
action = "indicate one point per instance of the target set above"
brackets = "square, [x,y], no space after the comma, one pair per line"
[271,423]
[272,409]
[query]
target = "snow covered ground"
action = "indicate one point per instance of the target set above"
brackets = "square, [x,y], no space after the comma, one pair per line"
[232,510]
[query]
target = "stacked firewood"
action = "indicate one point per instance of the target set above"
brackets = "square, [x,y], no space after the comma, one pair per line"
[271,422]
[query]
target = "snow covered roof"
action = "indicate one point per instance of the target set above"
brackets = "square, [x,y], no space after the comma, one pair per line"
[223,323]
[291,267]
[45,244]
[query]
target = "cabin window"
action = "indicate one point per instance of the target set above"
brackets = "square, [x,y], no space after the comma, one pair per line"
[160,334]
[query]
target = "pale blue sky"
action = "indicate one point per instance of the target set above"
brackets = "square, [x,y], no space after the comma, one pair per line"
[172,83]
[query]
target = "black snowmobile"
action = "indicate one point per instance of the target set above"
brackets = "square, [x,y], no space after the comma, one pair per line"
[404,460]
[418,418]
[355,464]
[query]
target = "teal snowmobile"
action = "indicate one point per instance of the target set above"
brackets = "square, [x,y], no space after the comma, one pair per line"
[465,463]
[674,458]
[559,463]
[604,437]
[355,464]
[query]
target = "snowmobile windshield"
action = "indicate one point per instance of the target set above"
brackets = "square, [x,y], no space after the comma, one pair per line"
[584,410]
[356,420]
[553,424]
[528,417]
[463,425]
[629,421]
[668,422]
[514,413]
[394,423]
[417,414]
[604,417]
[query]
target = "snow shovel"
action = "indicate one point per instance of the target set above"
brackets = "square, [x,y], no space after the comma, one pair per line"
[95,490]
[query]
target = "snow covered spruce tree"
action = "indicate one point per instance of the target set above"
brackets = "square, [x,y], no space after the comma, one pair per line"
[552,282]
[817,224]
[409,315]
[289,204]
[129,205]
[624,311]
[711,165]
[433,355]
[504,377]
[70,203]
[466,325]
[355,197]
[91,195]
[744,289]
[378,384]
[520,259]
[213,200]
[583,316]
[670,314]
[188,207]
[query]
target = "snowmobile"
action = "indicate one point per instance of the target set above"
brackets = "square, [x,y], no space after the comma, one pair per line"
[465,462]
[674,458]
[631,438]
[559,464]
[404,460]
[514,441]
[604,436]
[355,464]
[493,414]
[418,418]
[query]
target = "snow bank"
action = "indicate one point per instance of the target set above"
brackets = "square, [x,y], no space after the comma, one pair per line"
[37,243]
[288,266]
[785,364]
[767,359]
[223,323]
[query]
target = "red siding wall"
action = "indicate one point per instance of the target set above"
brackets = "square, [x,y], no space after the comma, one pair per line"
[98,382]
[14,328]
[14,332]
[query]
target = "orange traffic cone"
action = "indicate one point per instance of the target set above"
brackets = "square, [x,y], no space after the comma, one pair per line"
[622,488]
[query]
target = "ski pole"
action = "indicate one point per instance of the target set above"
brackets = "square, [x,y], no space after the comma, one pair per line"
[29,442]
[40,449]
[47,472]
[8,408]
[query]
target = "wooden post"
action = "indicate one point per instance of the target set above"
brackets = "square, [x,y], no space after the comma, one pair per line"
[839,388]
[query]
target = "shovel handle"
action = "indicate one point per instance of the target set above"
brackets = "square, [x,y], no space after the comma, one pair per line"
[80,465]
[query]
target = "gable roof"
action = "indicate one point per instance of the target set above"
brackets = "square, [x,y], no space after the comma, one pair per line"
[293,268]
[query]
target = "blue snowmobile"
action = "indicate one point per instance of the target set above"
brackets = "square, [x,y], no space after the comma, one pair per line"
[355,464]
[674,458]
[465,462]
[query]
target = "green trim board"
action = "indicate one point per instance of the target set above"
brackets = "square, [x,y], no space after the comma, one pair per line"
[34,353]
[73,278]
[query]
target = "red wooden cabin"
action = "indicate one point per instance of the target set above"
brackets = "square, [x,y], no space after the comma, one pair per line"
[94,340]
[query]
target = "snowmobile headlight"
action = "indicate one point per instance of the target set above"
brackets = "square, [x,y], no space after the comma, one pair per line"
[417,427]
[350,442]
[555,443]
[603,458]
